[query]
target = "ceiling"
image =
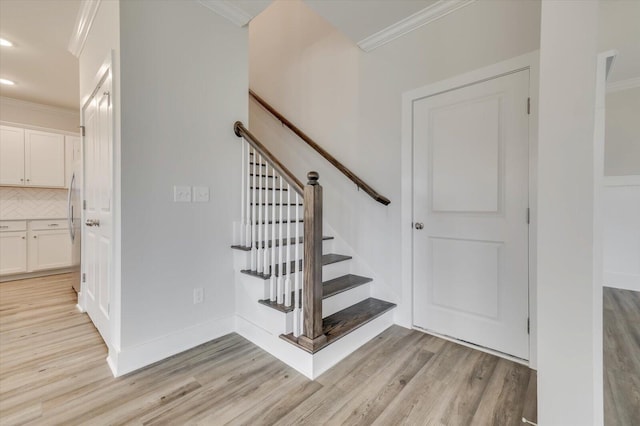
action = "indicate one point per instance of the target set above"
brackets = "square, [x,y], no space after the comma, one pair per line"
[46,72]
[355,22]
[39,62]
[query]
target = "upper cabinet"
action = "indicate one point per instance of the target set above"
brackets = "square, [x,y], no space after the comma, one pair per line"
[31,158]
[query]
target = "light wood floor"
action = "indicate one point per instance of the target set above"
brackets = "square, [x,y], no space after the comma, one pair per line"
[53,371]
[621,357]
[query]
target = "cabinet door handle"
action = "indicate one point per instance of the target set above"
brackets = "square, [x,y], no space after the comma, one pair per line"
[4,226]
[23,238]
[35,236]
[53,224]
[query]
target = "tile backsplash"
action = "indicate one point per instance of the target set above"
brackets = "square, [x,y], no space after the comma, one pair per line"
[28,203]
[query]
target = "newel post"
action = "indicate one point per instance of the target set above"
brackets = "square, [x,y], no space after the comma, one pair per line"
[313,336]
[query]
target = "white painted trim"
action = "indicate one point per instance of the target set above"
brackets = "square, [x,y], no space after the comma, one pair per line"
[617,86]
[34,106]
[25,275]
[228,10]
[472,346]
[84,20]
[629,180]
[412,22]
[41,129]
[133,358]
[529,61]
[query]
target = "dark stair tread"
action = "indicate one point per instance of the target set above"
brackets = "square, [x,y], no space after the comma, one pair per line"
[329,288]
[278,204]
[278,221]
[291,241]
[347,320]
[269,189]
[327,259]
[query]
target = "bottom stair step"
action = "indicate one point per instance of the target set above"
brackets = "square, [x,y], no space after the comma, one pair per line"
[347,320]
[329,288]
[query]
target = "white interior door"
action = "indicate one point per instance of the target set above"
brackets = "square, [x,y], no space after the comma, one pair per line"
[97,262]
[471,186]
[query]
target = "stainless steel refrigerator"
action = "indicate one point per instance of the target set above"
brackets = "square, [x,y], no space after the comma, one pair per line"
[74,210]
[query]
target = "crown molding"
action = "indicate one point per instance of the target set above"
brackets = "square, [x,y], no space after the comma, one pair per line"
[228,10]
[412,22]
[617,86]
[84,20]
[33,106]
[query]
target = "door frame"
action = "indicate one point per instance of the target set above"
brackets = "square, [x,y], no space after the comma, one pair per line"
[105,70]
[528,61]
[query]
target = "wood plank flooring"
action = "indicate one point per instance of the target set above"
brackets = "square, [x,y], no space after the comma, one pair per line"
[621,357]
[53,371]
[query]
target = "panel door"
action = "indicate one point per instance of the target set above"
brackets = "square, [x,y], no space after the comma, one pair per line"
[11,156]
[44,159]
[49,250]
[97,260]
[13,252]
[471,196]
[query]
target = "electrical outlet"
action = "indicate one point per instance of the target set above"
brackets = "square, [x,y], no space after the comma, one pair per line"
[182,194]
[201,194]
[198,295]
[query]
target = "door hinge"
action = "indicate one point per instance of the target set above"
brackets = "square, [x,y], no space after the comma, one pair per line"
[84,277]
[528,215]
[82,130]
[528,326]
[84,204]
[529,106]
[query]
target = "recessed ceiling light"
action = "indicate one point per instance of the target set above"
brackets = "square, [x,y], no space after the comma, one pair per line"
[6,43]
[7,82]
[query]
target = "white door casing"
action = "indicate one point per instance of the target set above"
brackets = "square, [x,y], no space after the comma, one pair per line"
[471,185]
[97,259]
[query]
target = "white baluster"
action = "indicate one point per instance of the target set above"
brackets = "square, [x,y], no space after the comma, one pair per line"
[280,249]
[265,240]
[254,249]
[247,218]
[242,197]
[290,269]
[260,268]
[296,292]
[273,282]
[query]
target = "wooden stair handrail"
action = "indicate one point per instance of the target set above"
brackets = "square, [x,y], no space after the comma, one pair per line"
[330,158]
[243,132]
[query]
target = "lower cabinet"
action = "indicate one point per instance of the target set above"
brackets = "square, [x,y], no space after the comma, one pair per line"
[42,245]
[13,247]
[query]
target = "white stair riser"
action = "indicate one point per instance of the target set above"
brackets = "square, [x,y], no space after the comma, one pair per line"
[335,270]
[248,292]
[343,300]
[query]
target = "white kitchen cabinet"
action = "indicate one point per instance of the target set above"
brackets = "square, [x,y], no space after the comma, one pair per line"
[44,159]
[13,247]
[49,245]
[11,156]
[31,158]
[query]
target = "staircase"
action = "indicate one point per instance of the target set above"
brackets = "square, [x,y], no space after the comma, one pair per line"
[296,298]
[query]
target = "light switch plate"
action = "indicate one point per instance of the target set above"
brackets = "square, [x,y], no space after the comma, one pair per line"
[201,194]
[182,194]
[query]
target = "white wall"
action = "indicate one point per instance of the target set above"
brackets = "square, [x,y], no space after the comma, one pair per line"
[621,200]
[350,102]
[184,80]
[622,133]
[569,293]
[39,115]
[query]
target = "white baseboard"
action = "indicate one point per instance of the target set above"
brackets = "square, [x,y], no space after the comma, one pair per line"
[622,281]
[136,357]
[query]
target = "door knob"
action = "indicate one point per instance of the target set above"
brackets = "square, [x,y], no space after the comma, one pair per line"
[419,225]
